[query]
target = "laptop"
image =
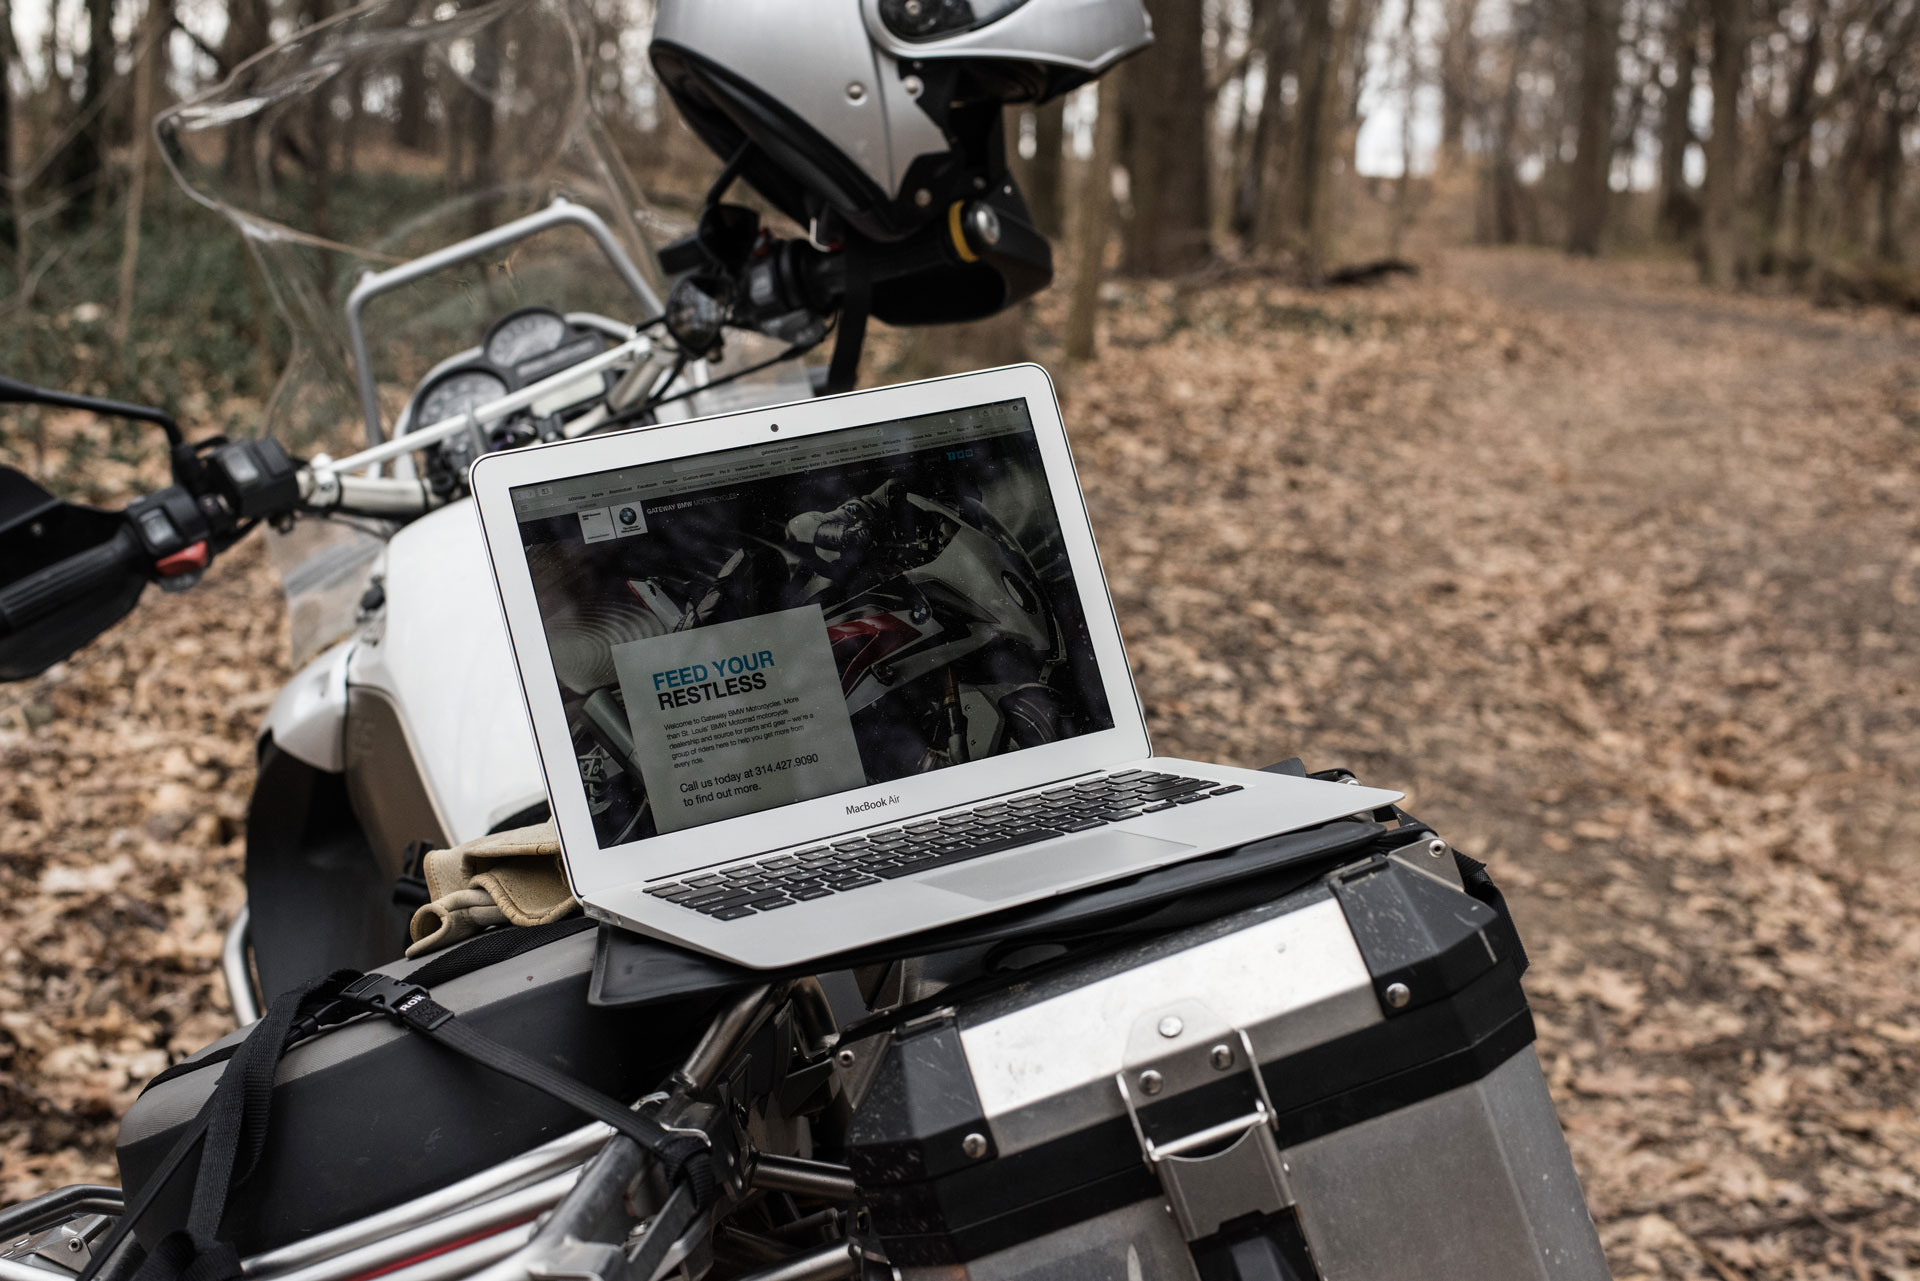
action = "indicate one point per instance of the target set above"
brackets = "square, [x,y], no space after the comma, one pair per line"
[810,678]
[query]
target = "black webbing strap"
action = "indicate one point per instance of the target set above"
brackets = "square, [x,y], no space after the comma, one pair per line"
[231,1129]
[683,1156]
[462,959]
[230,1133]
[855,307]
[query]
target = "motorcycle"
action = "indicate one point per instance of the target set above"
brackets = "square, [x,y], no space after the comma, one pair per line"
[401,725]
[523,300]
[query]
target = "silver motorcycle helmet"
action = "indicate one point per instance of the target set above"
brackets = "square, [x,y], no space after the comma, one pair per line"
[876,124]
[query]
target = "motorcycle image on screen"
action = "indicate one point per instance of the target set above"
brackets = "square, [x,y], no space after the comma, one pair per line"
[1120,1083]
[943,630]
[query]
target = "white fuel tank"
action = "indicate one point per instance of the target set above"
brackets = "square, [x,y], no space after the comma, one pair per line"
[434,667]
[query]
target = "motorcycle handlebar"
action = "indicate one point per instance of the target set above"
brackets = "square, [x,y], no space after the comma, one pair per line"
[95,572]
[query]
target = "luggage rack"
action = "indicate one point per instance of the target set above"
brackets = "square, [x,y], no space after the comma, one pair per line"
[560,1212]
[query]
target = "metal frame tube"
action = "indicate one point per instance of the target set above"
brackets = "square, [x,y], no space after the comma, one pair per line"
[561,1154]
[234,969]
[829,1264]
[726,1034]
[375,283]
[512,402]
[522,1205]
[468,1259]
[804,1178]
[57,1206]
[595,1203]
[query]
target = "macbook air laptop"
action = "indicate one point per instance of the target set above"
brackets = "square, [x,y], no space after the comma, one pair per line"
[809,678]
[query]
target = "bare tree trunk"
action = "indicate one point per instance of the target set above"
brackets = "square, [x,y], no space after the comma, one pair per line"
[1409,94]
[1721,260]
[1313,130]
[1784,145]
[319,135]
[247,35]
[10,228]
[1093,222]
[1679,214]
[350,132]
[1504,177]
[1167,150]
[1593,159]
[481,125]
[410,105]
[1853,173]
[1803,200]
[1892,162]
[82,166]
[1267,219]
[1459,52]
[149,40]
[1043,186]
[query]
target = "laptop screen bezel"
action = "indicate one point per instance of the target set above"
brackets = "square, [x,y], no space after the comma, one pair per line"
[594,870]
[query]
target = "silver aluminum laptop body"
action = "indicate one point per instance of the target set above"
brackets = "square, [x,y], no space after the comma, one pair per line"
[809,678]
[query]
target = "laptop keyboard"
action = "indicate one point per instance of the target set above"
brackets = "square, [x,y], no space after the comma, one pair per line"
[768,884]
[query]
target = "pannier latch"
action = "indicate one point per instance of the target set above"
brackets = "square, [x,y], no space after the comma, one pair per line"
[1186,1065]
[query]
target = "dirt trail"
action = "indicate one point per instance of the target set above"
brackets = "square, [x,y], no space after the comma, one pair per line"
[1617,578]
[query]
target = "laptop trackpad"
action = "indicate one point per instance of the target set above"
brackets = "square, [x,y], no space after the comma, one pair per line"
[1095,856]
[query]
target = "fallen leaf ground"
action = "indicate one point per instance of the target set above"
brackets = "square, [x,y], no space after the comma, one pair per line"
[1616,577]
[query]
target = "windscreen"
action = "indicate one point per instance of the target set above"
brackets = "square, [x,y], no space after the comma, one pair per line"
[770,624]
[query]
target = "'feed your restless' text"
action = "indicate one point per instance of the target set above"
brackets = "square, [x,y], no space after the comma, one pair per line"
[701,683]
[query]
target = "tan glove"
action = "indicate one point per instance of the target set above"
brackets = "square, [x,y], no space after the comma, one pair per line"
[509,877]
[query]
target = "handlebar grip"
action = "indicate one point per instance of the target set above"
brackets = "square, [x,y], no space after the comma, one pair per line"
[47,591]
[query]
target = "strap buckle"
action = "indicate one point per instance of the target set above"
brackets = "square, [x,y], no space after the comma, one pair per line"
[396,998]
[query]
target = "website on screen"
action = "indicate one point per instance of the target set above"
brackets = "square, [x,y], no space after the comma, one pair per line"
[776,623]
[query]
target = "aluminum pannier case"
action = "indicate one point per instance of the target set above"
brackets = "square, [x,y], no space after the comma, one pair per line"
[1340,1084]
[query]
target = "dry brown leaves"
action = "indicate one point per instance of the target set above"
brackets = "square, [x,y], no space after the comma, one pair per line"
[1616,577]
[123,782]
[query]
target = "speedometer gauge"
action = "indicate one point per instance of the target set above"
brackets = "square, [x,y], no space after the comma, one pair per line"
[458,392]
[533,331]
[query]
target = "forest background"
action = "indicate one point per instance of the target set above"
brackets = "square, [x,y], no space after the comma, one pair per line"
[1769,139]
[1600,535]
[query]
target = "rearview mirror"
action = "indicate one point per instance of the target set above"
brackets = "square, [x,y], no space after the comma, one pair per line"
[37,532]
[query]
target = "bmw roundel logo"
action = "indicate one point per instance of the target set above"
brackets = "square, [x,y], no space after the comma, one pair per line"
[629,517]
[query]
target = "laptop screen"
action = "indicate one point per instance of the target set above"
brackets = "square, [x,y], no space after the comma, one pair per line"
[766,625]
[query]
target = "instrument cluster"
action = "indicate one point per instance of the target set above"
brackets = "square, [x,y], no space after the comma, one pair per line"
[520,349]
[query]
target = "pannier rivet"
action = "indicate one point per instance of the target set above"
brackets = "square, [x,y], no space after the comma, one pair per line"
[1398,994]
[1436,847]
[1150,1081]
[974,1145]
[1171,1027]
[844,1058]
[1222,1056]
